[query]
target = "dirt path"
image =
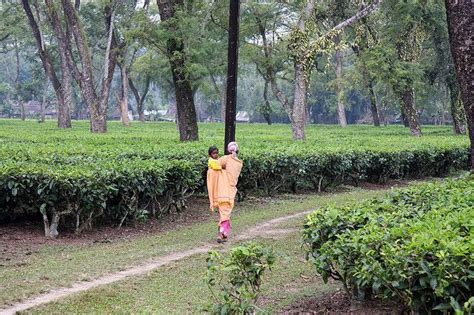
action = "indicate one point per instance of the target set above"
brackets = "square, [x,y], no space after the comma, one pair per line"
[266,230]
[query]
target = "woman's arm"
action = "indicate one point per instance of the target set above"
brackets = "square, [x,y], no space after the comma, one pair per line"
[223,161]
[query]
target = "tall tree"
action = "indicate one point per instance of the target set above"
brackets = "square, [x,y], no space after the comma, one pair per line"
[460,16]
[64,115]
[232,66]
[97,100]
[186,110]
[35,23]
[303,50]
[405,33]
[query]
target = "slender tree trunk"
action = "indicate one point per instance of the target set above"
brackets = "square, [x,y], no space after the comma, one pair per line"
[411,116]
[222,93]
[460,16]
[341,111]
[124,97]
[223,100]
[186,110]
[45,99]
[19,101]
[373,104]
[266,105]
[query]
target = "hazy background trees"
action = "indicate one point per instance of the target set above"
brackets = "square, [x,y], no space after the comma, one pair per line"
[301,62]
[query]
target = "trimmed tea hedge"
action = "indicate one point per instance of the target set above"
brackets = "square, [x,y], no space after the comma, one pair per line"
[80,178]
[415,244]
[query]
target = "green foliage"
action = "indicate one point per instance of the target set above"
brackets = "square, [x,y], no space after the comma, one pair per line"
[112,177]
[237,278]
[415,244]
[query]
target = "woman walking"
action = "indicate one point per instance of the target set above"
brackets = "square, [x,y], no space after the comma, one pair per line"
[222,188]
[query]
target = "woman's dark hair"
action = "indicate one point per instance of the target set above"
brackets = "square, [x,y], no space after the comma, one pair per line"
[212,149]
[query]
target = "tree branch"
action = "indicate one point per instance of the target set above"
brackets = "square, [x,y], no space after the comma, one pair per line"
[362,13]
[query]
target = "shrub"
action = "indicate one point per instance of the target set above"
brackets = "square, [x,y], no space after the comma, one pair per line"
[416,245]
[237,278]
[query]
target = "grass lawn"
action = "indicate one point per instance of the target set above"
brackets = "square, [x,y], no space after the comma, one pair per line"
[180,288]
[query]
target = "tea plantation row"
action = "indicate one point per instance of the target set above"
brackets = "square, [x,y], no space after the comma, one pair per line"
[144,170]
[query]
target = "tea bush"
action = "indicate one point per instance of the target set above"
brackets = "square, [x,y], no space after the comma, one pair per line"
[144,170]
[415,244]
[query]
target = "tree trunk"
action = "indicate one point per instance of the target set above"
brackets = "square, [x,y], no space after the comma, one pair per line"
[266,110]
[97,104]
[411,116]
[457,113]
[369,84]
[298,112]
[341,111]
[19,101]
[64,115]
[186,110]
[460,16]
[373,105]
[45,99]
[404,117]
[232,68]
[124,97]
[43,52]
[140,99]
[221,92]
[223,100]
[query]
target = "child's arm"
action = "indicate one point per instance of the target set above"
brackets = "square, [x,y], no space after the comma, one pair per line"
[214,165]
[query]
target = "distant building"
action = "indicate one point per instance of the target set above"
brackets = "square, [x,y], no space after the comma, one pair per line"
[159,115]
[242,116]
[33,109]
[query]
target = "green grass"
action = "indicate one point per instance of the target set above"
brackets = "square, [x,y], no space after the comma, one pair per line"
[56,265]
[180,288]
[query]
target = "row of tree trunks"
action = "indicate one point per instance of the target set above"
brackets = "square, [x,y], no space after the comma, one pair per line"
[186,110]
[460,16]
